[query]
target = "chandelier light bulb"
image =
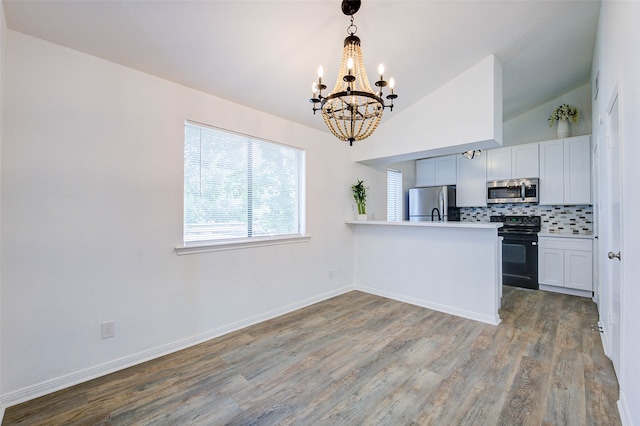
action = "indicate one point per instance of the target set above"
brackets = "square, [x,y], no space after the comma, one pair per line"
[314,88]
[320,72]
[381,71]
[392,84]
[350,64]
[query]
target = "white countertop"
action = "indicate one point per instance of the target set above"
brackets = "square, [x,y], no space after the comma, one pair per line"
[565,235]
[468,225]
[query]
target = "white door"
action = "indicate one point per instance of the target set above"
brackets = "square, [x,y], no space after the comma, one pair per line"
[595,170]
[614,235]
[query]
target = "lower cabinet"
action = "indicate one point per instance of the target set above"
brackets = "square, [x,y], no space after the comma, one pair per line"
[566,262]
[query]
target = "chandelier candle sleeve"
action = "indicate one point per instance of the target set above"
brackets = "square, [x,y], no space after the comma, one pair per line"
[353,110]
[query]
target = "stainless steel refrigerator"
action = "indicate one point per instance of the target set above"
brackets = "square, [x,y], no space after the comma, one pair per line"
[437,203]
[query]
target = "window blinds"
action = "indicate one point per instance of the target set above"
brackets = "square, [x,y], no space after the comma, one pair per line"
[394,195]
[236,186]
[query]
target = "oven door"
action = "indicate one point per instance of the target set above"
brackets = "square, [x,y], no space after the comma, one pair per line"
[520,260]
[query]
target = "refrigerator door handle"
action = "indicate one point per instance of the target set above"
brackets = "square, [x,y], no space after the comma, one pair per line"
[444,202]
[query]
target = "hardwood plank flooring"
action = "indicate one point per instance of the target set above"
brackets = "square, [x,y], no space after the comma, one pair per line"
[366,360]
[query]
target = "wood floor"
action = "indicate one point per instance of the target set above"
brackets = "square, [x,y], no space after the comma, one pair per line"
[359,359]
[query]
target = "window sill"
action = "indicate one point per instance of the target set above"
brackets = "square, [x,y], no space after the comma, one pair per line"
[204,247]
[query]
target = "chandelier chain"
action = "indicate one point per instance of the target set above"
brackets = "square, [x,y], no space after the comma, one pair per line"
[353,28]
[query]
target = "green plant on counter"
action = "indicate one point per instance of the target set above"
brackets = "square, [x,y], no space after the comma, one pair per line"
[360,195]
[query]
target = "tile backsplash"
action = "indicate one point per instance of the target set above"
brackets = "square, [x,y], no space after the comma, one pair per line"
[561,219]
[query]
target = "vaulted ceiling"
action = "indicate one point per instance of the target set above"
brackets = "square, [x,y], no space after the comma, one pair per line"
[265,54]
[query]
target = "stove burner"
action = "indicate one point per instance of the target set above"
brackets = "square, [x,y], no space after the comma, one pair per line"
[518,224]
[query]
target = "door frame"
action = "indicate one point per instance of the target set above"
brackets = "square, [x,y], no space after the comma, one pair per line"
[612,293]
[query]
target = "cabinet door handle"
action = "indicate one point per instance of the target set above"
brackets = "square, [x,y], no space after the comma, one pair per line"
[613,255]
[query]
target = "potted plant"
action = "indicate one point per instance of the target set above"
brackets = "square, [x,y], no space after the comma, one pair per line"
[360,195]
[563,114]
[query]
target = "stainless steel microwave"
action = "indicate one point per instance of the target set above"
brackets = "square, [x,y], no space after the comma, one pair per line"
[512,191]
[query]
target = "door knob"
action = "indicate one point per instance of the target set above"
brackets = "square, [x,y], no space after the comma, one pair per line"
[613,255]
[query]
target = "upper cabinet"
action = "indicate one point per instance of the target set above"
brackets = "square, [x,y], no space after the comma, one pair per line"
[471,187]
[565,171]
[499,163]
[577,170]
[525,161]
[563,166]
[436,171]
[513,162]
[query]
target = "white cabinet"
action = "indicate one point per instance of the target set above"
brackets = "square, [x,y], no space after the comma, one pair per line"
[524,161]
[471,187]
[565,171]
[578,271]
[499,163]
[566,262]
[513,162]
[577,170]
[551,173]
[550,266]
[436,171]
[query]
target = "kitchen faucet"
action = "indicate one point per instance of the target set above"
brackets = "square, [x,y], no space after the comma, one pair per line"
[437,210]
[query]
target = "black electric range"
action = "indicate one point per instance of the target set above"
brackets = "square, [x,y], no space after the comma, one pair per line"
[519,250]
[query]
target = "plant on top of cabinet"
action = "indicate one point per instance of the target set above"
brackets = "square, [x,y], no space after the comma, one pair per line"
[563,115]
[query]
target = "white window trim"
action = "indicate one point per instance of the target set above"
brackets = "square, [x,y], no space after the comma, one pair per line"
[249,242]
[240,243]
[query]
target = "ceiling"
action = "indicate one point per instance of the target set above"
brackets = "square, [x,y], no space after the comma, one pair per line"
[265,54]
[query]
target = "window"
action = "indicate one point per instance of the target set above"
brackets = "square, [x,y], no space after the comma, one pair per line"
[240,187]
[394,195]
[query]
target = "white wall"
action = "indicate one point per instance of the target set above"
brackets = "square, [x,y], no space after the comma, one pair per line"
[533,126]
[3,33]
[465,113]
[92,174]
[450,269]
[617,61]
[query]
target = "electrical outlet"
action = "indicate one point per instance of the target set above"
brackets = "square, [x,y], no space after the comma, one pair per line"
[108,329]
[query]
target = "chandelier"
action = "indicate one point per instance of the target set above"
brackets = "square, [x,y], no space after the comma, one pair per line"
[352,111]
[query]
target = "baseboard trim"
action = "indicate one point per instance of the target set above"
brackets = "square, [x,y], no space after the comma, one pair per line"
[431,305]
[623,409]
[603,339]
[59,383]
[564,290]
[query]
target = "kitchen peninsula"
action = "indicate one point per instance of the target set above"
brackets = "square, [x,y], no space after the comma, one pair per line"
[452,267]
